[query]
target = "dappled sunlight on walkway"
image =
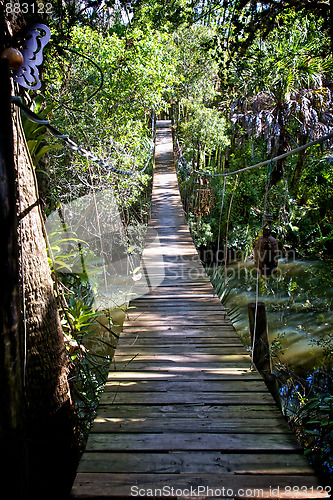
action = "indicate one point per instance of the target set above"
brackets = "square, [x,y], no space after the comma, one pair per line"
[183,414]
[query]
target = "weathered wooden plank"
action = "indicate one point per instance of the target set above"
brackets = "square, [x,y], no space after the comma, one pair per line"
[183,397]
[242,410]
[183,236]
[178,309]
[151,301]
[182,259]
[183,275]
[181,321]
[195,342]
[195,463]
[181,291]
[225,337]
[180,281]
[185,350]
[158,293]
[169,270]
[196,334]
[174,368]
[197,317]
[185,261]
[191,286]
[189,425]
[193,441]
[218,486]
[236,374]
[183,330]
[209,360]
[188,386]
[131,347]
[155,301]
[192,270]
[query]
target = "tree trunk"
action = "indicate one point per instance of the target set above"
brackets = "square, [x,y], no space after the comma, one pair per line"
[283,146]
[52,451]
[198,154]
[294,185]
[12,439]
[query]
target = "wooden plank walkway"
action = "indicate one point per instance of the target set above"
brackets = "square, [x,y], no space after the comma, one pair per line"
[182,408]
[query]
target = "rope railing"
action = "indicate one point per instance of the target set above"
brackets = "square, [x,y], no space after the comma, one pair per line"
[76,147]
[261,164]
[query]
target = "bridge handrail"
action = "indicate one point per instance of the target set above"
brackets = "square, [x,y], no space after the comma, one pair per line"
[261,164]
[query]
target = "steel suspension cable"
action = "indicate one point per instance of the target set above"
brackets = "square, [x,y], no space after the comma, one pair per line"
[263,163]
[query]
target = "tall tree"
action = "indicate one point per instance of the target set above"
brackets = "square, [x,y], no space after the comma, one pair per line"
[50,422]
[282,92]
[12,438]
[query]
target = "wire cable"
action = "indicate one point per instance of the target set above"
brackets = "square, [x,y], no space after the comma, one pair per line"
[261,164]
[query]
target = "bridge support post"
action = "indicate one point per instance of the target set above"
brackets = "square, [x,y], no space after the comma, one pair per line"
[261,352]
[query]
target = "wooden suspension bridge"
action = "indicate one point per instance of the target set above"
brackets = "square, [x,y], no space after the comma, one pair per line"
[183,414]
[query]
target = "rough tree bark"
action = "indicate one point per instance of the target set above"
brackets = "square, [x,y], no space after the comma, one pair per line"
[282,146]
[50,422]
[297,174]
[12,439]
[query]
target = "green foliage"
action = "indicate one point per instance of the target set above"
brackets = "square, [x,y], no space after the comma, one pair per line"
[90,345]
[204,126]
[197,70]
[163,15]
[225,292]
[326,344]
[277,97]
[138,73]
[314,425]
[200,230]
[138,70]
[36,135]
[276,346]
[63,252]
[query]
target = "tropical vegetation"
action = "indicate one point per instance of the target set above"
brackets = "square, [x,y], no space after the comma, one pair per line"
[243,83]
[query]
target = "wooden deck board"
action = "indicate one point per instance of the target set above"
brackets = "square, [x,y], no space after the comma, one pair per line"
[246,411]
[187,385]
[188,353]
[195,463]
[182,405]
[169,441]
[184,397]
[116,485]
